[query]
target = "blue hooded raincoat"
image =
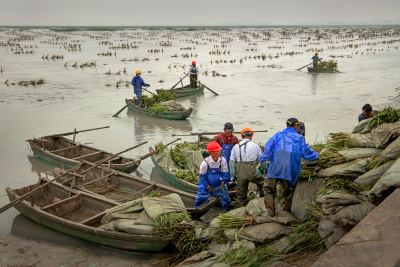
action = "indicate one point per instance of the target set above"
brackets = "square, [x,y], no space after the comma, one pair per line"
[285,150]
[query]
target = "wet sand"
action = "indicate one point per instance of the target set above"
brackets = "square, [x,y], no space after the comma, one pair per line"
[251,94]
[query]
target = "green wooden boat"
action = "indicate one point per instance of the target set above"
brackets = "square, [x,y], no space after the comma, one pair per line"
[79,215]
[65,153]
[184,91]
[121,187]
[320,70]
[170,178]
[170,115]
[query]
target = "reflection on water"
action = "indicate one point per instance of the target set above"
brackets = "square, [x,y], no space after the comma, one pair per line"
[314,80]
[144,124]
[39,167]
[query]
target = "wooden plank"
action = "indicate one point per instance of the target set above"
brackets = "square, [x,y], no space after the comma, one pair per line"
[64,149]
[61,202]
[92,219]
[88,155]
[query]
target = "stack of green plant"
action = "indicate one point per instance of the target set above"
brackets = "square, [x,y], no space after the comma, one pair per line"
[229,221]
[159,147]
[339,140]
[330,64]
[154,193]
[302,237]
[178,157]
[149,101]
[308,173]
[388,115]
[188,146]
[177,228]
[157,108]
[187,175]
[330,157]
[376,162]
[341,184]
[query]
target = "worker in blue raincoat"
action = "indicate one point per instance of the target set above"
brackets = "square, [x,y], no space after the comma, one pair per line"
[284,151]
[214,178]
[138,84]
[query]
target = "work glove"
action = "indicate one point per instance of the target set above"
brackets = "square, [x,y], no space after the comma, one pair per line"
[261,167]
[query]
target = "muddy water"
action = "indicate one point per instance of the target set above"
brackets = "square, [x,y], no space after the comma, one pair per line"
[251,94]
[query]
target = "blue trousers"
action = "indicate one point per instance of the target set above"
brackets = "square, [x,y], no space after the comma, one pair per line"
[138,98]
[203,195]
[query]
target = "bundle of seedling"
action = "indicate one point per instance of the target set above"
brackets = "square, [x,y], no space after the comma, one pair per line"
[187,175]
[329,64]
[230,221]
[178,228]
[149,101]
[387,115]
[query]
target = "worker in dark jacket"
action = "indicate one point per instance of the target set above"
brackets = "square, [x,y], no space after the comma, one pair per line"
[315,60]
[366,113]
[284,150]
[138,84]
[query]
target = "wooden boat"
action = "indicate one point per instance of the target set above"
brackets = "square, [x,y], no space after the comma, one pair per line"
[121,187]
[184,91]
[170,114]
[320,70]
[79,215]
[65,153]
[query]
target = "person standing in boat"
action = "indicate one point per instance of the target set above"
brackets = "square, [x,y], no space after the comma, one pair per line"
[214,177]
[243,163]
[315,60]
[284,150]
[138,84]
[193,72]
[227,140]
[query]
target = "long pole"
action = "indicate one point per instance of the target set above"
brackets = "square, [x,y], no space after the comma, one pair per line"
[179,81]
[161,148]
[21,198]
[208,88]
[214,133]
[304,66]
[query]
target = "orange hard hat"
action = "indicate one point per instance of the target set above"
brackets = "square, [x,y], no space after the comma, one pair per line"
[246,130]
[213,146]
[193,62]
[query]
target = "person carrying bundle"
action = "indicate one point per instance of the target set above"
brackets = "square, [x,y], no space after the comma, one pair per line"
[193,72]
[138,84]
[315,60]
[243,163]
[284,150]
[214,177]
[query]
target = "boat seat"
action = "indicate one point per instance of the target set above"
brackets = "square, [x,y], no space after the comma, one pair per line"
[64,149]
[66,200]
[91,220]
[88,155]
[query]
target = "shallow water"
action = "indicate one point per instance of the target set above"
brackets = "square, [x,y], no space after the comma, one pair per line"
[251,95]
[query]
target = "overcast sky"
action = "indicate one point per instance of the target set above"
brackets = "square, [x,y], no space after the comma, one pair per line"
[197,12]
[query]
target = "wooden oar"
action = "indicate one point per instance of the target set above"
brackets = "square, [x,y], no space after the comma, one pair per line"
[76,132]
[180,80]
[337,71]
[119,111]
[208,88]
[156,150]
[145,89]
[305,66]
[214,133]
[21,198]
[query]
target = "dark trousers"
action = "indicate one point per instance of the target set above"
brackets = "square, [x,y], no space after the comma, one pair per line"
[246,173]
[193,80]
[270,193]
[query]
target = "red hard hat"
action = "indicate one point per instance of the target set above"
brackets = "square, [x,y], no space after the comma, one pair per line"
[193,62]
[213,146]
